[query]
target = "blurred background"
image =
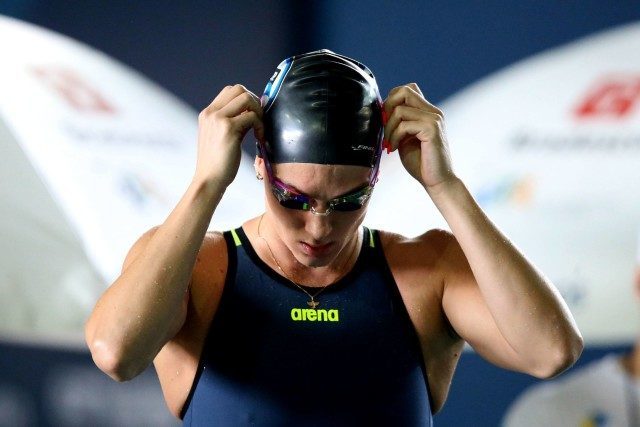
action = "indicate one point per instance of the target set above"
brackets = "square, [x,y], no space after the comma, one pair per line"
[98,106]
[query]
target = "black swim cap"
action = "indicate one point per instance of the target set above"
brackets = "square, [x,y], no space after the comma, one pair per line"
[323,108]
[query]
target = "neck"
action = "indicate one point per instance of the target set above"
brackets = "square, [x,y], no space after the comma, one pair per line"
[277,255]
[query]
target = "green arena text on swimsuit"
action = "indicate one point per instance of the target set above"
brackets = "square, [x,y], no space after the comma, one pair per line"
[314,315]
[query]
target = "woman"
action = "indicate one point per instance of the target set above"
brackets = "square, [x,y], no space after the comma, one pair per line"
[302,315]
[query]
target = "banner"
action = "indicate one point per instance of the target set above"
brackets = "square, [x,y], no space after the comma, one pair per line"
[550,147]
[93,155]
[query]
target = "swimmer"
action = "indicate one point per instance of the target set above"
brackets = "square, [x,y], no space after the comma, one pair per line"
[302,315]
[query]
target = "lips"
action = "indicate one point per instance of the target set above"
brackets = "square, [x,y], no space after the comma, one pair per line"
[316,250]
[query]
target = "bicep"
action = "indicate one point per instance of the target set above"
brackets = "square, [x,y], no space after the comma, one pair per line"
[136,251]
[138,248]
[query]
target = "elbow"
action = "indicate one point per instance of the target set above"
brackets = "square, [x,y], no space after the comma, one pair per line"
[561,357]
[111,361]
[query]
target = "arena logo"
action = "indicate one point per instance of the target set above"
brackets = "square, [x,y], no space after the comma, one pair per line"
[314,315]
[74,90]
[615,97]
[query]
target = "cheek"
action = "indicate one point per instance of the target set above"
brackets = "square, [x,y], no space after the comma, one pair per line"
[288,220]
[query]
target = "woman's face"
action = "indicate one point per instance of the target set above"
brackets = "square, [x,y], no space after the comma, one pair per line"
[315,240]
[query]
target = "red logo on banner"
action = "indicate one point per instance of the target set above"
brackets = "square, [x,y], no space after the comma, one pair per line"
[75,91]
[613,97]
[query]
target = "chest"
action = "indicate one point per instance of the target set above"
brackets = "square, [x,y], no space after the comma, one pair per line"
[264,317]
[356,353]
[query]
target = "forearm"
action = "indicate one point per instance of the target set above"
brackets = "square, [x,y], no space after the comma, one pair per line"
[526,307]
[141,310]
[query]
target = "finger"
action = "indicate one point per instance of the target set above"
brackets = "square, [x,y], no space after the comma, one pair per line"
[406,95]
[415,87]
[247,120]
[401,112]
[246,101]
[258,131]
[402,95]
[409,129]
[225,96]
[404,132]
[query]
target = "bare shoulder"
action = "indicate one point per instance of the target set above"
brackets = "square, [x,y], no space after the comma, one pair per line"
[212,253]
[435,248]
[210,268]
[434,235]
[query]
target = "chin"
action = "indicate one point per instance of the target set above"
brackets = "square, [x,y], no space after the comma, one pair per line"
[316,257]
[313,261]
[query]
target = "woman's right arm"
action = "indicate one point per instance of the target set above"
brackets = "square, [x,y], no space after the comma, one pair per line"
[147,304]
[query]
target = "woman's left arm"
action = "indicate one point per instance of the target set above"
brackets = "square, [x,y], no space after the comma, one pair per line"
[493,296]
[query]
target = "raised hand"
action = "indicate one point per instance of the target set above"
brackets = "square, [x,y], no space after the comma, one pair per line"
[416,129]
[221,128]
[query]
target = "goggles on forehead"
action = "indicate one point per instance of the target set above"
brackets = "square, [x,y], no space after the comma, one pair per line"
[291,198]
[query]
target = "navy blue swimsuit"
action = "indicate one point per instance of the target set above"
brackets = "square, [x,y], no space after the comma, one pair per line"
[270,360]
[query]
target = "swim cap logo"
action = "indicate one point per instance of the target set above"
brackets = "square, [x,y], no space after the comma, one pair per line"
[363,147]
[314,315]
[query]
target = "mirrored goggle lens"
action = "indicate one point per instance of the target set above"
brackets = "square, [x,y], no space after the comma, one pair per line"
[348,203]
[291,201]
[295,204]
[352,202]
[346,206]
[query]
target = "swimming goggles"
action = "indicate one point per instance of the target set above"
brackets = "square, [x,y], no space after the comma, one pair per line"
[291,198]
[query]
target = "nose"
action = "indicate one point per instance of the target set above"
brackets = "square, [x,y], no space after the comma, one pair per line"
[319,208]
[319,226]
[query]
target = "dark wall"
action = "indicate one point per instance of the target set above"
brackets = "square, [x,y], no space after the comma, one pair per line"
[446,45]
[191,48]
[194,48]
